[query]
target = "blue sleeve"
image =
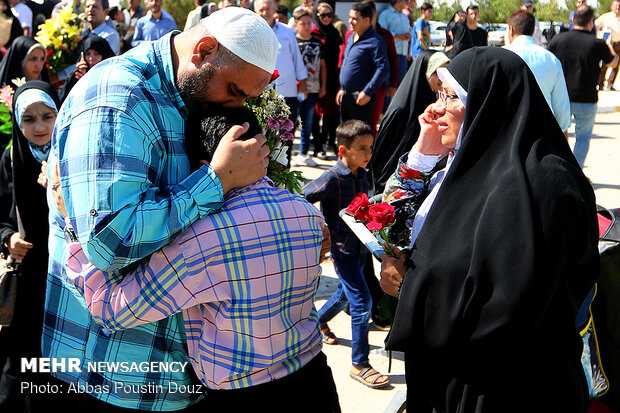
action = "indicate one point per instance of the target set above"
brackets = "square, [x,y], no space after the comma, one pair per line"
[137,35]
[382,67]
[111,190]
[319,189]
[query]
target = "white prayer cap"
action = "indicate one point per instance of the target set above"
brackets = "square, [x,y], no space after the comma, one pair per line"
[245,34]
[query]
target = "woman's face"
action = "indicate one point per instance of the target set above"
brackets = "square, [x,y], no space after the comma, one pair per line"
[326,15]
[93,57]
[38,123]
[34,64]
[449,111]
[434,82]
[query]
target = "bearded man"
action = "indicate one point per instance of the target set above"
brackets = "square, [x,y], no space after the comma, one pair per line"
[120,146]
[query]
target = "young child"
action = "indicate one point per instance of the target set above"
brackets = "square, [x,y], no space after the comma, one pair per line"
[335,189]
[310,48]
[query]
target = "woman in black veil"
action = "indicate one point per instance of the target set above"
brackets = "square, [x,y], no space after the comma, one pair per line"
[400,128]
[461,39]
[505,254]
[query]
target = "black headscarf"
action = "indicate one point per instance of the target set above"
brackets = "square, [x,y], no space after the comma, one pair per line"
[461,39]
[12,64]
[508,252]
[98,44]
[449,28]
[30,199]
[400,128]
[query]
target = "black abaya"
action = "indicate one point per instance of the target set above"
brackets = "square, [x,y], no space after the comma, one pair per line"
[400,128]
[19,187]
[508,252]
[461,41]
[12,64]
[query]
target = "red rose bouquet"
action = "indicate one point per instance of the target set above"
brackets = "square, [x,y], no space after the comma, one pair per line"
[377,217]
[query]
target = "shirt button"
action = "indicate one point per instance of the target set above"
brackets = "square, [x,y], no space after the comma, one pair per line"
[93,213]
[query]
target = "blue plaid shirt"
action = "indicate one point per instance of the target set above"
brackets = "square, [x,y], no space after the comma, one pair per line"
[126,181]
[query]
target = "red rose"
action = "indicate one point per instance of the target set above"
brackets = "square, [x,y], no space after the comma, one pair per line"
[379,216]
[357,208]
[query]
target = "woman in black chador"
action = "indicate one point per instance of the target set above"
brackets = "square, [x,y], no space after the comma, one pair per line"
[400,128]
[504,249]
[34,113]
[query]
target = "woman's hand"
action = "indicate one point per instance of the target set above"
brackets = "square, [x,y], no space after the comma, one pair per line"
[429,142]
[42,178]
[82,68]
[392,273]
[18,247]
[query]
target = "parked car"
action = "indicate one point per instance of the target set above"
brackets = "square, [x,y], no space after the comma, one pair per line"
[497,34]
[438,34]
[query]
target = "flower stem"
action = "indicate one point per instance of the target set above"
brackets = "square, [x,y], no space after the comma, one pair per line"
[387,247]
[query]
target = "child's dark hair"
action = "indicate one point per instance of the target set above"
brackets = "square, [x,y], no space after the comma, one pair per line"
[299,14]
[203,134]
[351,129]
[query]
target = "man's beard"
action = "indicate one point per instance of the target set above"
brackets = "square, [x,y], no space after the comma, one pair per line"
[194,90]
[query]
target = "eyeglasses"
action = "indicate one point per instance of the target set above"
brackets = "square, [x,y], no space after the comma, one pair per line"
[445,97]
[326,15]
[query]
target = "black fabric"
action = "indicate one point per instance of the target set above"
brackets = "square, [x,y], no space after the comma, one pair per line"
[479,36]
[462,39]
[310,389]
[95,42]
[12,64]
[18,186]
[507,254]
[449,28]
[580,54]
[400,128]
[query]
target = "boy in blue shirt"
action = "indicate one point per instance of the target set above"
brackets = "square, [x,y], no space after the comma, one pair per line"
[421,39]
[335,189]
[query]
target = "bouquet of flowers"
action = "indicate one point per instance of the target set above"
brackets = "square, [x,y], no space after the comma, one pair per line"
[60,35]
[272,113]
[377,217]
[6,107]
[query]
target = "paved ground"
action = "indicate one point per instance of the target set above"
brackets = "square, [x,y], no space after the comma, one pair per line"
[602,166]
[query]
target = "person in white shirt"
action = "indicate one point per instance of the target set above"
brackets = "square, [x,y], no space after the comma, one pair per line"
[193,16]
[609,24]
[528,6]
[96,12]
[23,14]
[546,67]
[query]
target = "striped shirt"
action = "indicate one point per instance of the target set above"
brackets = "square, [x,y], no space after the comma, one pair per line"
[245,277]
[127,186]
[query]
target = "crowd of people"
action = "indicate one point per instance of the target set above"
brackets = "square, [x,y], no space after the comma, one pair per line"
[133,195]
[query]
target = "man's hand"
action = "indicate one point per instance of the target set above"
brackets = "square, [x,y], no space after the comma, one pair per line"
[362,99]
[392,273]
[327,242]
[391,91]
[339,96]
[18,247]
[240,163]
[42,178]
[54,180]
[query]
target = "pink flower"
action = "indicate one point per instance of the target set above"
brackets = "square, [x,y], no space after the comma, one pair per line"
[288,125]
[273,124]
[287,136]
[6,96]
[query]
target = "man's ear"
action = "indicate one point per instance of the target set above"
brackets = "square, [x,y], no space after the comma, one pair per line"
[204,50]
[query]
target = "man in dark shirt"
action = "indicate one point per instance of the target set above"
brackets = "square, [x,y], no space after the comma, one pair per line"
[581,55]
[478,34]
[364,68]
